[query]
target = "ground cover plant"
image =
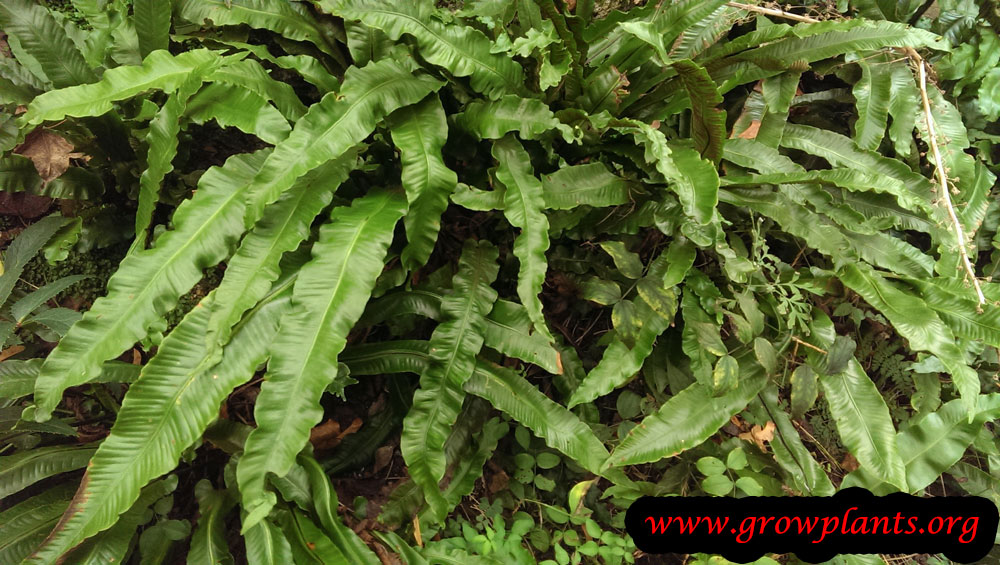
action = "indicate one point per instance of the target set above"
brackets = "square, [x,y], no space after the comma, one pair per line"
[404,282]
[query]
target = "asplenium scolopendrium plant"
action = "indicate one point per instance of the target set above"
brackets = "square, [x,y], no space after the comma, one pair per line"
[551,129]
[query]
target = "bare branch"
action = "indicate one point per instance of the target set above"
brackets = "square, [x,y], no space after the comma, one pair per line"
[941,174]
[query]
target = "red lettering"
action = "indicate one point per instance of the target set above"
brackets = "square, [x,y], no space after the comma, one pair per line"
[777,525]
[864,525]
[931,528]
[826,528]
[911,525]
[806,525]
[885,524]
[657,526]
[843,527]
[974,522]
[716,526]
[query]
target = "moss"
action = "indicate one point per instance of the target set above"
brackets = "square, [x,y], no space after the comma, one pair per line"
[66,8]
[100,264]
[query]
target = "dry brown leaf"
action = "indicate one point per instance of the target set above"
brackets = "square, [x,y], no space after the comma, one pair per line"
[498,482]
[760,435]
[49,152]
[751,131]
[416,532]
[324,436]
[849,463]
[383,456]
[11,351]
[25,205]
[328,434]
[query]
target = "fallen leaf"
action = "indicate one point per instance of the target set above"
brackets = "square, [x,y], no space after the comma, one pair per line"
[11,351]
[49,152]
[383,456]
[751,131]
[760,435]
[328,434]
[849,463]
[498,482]
[25,205]
[416,532]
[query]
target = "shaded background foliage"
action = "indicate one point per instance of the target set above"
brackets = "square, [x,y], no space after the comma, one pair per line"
[355,281]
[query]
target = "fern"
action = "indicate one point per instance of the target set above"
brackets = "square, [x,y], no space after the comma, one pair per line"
[525,208]
[453,349]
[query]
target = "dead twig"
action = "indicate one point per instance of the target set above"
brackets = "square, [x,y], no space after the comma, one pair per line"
[809,345]
[773,12]
[921,65]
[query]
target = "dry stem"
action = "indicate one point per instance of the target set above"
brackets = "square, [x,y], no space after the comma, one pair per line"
[942,178]
[773,12]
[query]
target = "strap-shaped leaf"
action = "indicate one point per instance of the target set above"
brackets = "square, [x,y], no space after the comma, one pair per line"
[419,132]
[584,185]
[309,543]
[24,247]
[329,296]
[854,180]
[208,542]
[160,71]
[113,544]
[507,328]
[687,419]
[325,505]
[708,122]
[25,524]
[829,39]
[255,265]
[932,445]
[335,124]
[467,466]
[163,413]
[872,93]
[620,363]
[916,191]
[46,41]
[366,43]
[287,19]
[523,207]
[250,75]
[863,422]
[694,179]
[463,50]
[232,105]
[958,308]
[820,233]
[492,119]
[920,325]
[162,139]
[309,67]
[148,282]
[777,93]
[266,544]
[388,357]
[904,105]
[561,429]
[790,452]
[152,25]
[453,349]
[28,467]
